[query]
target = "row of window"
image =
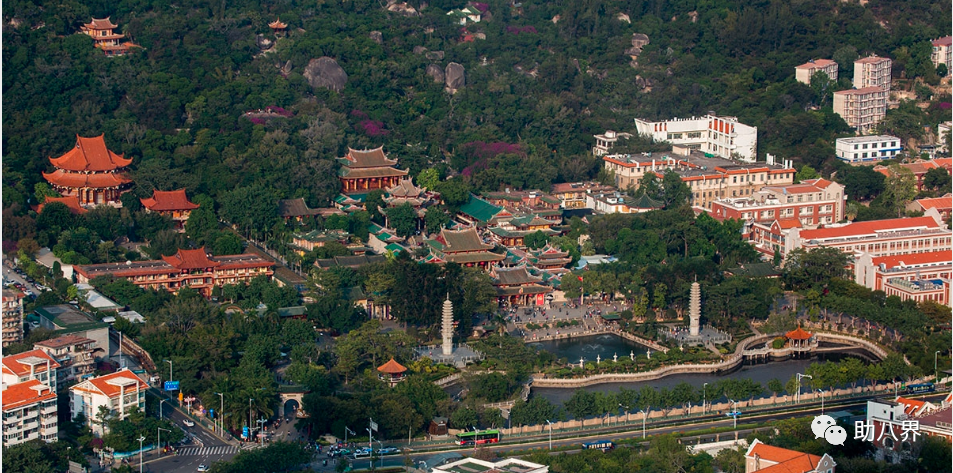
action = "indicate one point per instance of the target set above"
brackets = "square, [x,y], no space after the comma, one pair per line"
[893,144]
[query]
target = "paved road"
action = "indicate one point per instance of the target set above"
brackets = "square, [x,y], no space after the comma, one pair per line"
[205,449]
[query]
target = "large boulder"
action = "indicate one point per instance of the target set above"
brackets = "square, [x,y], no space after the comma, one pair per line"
[377,37]
[325,72]
[455,77]
[436,72]
[434,55]
[419,49]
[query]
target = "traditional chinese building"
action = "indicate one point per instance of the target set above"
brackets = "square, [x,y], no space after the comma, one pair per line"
[513,231]
[367,170]
[278,28]
[186,268]
[550,258]
[298,209]
[101,30]
[481,213]
[175,204]
[91,173]
[391,372]
[799,337]
[463,247]
[516,286]
[72,202]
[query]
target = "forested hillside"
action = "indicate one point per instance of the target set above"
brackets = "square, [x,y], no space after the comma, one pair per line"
[547,76]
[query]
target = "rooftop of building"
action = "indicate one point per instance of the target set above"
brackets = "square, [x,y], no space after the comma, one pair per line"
[871,228]
[168,201]
[21,363]
[815,63]
[26,393]
[871,60]
[92,155]
[944,41]
[913,259]
[509,465]
[66,317]
[861,91]
[63,342]
[867,139]
[787,461]
[113,384]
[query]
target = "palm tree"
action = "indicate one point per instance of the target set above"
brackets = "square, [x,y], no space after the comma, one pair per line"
[850,213]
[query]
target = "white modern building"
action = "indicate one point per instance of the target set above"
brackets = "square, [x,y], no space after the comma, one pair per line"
[804,72]
[29,413]
[607,140]
[863,108]
[867,149]
[719,136]
[120,393]
[872,71]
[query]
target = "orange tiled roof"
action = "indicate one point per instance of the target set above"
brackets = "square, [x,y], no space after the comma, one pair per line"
[939,203]
[392,367]
[869,227]
[64,341]
[798,334]
[368,158]
[788,461]
[815,63]
[75,179]
[168,200]
[191,259]
[101,24]
[913,259]
[71,201]
[277,24]
[911,406]
[90,154]
[12,365]
[26,393]
[107,386]
[787,223]
[871,60]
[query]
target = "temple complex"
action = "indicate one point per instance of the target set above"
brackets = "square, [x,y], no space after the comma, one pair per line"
[367,170]
[101,30]
[175,204]
[513,231]
[186,268]
[463,247]
[91,173]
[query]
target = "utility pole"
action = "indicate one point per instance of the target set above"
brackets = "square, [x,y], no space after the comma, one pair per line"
[550,434]
[797,395]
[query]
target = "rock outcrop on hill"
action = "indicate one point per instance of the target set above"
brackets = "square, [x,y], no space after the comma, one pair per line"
[325,72]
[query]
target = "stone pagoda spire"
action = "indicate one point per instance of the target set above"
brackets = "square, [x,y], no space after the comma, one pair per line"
[695,309]
[447,329]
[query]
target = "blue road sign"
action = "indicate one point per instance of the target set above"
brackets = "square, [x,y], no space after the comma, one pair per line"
[171,386]
[245,432]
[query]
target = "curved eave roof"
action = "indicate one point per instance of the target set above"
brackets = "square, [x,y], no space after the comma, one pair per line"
[72,179]
[90,154]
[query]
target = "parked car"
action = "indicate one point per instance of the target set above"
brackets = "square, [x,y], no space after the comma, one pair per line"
[188,423]
[202,467]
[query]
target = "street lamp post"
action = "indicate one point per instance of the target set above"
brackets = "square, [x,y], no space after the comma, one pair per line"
[704,398]
[550,434]
[798,393]
[160,406]
[645,415]
[249,417]
[221,414]
[734,412]
[170,368]
[159,437]
[936,374]
[821,391]
[141,438]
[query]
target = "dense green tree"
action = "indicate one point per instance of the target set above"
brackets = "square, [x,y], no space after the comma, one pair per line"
[403,219]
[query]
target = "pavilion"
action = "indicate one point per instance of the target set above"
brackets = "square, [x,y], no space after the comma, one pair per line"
[392,372]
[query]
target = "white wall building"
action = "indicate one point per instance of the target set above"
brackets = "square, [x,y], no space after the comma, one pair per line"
[33,364]
[941,52]
[862,109]
[29,413]
[864,149]
[720,136]
[872,71]
[120,392]
[804,72]
[607,140]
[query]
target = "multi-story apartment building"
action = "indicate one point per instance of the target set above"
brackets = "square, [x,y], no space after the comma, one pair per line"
[12,317]
[865,149]
[899,236]
[941,52]
[607,140]
[29,413]
[572,195]
[804,72]
[720,136]
[120,393]
[889,425]
[862,108]
[710,178]
[872,71]
[187,268]
[33,364]
[76,356]
[812,202]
